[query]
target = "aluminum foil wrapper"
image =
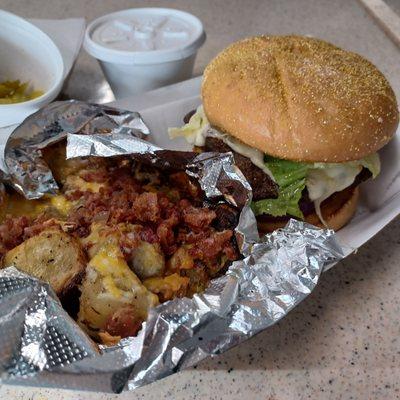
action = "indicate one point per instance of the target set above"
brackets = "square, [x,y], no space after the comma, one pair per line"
[26,169]
[277,271]
[36,332]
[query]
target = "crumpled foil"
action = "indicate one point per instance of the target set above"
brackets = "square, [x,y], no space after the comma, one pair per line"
[42,346]
[27,171]
[36,332]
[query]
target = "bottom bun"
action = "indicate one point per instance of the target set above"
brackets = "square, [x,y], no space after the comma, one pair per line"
[337,210]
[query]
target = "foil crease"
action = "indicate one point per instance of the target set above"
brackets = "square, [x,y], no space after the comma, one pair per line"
[106,145]
[276,273]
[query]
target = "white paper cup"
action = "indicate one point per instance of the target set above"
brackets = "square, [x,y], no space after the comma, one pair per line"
[144,48]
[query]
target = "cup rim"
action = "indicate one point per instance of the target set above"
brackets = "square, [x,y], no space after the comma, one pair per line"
[144,57]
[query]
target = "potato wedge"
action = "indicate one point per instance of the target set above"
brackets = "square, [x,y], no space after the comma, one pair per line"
[101,234]
[148,260]
[109,285]
[52,256]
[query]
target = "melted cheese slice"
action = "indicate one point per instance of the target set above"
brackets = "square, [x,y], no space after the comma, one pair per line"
[169,286]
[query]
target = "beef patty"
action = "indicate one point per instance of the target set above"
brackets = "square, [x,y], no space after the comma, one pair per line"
[263,186]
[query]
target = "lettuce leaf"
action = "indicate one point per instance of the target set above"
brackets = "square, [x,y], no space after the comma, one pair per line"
[321,180]
[291,178]
[194,130]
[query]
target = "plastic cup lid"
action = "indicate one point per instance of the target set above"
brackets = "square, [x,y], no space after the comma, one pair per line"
[144,36]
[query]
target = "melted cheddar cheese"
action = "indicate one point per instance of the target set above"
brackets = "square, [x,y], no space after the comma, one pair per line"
[75,182]
[16,206]
[109,285]
[168,287]
[61,204]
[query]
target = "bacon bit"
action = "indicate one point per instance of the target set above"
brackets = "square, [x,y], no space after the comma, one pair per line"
[165,235]
[102,216]
[82,217]
[163,201]
[231,252]
[172,216]
[211,246]
[74,195]
[148,235]
[124,322]
[123,180]
[165,231]
[187,236]
[146,208]
[198,218]
[129,242]
[39,225]
[12,233]
[99,175]
[185,185]
[184,203]
[3,252]
[194,250]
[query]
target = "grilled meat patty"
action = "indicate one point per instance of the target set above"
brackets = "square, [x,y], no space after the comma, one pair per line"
[263,186]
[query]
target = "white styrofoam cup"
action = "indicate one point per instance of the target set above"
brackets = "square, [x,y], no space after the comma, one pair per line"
[144,48]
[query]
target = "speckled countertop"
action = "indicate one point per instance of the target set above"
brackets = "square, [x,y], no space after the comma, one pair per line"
[343,341]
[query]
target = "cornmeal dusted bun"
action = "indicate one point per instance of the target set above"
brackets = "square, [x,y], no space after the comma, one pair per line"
[300,98]
[336,211]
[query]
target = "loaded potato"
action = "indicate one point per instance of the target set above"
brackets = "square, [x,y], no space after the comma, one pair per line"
[121,236]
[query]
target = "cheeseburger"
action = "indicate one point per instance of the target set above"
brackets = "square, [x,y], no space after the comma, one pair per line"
[304,120]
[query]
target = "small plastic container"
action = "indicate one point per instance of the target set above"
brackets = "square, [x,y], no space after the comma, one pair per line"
[141,49]
[28,54]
